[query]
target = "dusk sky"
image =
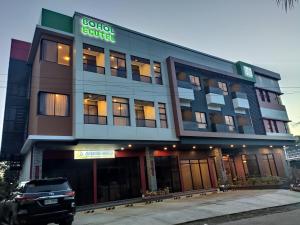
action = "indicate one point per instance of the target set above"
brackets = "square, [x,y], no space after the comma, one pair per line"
[254,31]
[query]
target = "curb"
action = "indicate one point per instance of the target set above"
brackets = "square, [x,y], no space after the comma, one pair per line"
[244,215]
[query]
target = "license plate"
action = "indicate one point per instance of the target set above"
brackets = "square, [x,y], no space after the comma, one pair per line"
[50,201]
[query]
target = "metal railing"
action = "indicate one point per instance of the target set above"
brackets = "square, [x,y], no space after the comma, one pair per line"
[93,68]
[146,123]
[92,119]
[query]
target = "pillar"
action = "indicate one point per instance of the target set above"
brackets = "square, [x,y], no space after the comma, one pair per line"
[151,173]
[217,154]
[142,174]
[36,163]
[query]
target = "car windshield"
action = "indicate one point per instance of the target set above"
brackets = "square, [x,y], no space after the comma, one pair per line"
[46,186]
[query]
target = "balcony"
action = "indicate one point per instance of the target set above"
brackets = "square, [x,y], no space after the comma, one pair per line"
[146,123]
[142,78]
[93,68]
[240,101]
[92,119]
[214,97]
[246,129]
[219,127]
[186,93]
[191,125]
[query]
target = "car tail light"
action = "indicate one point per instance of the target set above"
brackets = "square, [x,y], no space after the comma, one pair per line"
[25,198]
[70,193]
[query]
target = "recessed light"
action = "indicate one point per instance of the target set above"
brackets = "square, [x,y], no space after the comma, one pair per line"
[165,148]
[210,147]
[122,148]
[174,146]
[271,146]
[284,146]
[194,147]
[129,145]
[244,146]
[231,146]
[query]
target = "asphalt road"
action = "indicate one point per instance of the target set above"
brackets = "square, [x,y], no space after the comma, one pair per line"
[284,218]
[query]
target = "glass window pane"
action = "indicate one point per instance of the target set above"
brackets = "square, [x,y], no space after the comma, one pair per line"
[49,51]
[61,105]
[63,54]
[46,104]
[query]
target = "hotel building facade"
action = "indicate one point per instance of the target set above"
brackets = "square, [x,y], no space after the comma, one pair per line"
[118,112]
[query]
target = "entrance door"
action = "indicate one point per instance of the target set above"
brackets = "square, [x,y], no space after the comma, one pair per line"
[118,179]
[230,168]
[196,174]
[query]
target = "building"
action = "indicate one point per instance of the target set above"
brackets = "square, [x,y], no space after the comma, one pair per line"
[118,112]
[292,154]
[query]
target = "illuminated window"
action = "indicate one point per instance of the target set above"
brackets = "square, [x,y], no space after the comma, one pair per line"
[223,87]
[141,69]
[163,115]
[95,109]
[93,59]
[56,52]
[52,104]
[157,72]
[230,123]
[118,64]
[201,120]
[121,111]
[144,113]
[195,81]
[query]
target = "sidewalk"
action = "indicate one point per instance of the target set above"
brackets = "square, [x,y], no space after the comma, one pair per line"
[189,209]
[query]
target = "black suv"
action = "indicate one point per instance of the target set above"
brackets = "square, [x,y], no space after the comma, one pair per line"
[40,202]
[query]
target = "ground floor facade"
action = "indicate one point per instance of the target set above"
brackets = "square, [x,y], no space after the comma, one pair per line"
[133,172]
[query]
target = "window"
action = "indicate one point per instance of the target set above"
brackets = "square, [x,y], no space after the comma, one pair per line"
[95,109]
[157,73]
[201,120]
[51,104]
[230,123]
[121,111]
[269,165]
[223,87]
[93,59]
[195,81]
[186,113]
[250,165]
[144,113]
[56,52]
[267,96]
[141,69]
[118,64]
[261,94]
[274,126]
[163,115]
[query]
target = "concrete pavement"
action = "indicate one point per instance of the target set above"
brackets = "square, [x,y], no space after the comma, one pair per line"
[189,209]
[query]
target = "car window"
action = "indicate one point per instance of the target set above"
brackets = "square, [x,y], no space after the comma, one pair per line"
[46,187]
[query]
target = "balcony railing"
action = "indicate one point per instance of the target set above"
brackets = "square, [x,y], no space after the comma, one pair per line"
[94,68]
[146,123]
[246,129]
[191,125]
[92,119]
[139,77]
[120,72]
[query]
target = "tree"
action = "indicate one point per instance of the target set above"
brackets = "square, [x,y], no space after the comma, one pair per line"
[286,4]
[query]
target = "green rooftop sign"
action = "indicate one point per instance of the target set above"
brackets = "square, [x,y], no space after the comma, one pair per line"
[245,70]
[95,29]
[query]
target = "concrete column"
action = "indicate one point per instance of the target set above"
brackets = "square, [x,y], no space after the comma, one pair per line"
[151,173]
[217,154]
[128,67]
[36,163]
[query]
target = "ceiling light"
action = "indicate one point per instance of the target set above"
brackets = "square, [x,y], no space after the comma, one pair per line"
[284,146]
[59,47]
[122,148]
[129,145]
[210,147]
[165,148]
[271,146]
[244,146]
[194,147]
[231,146]
[67,58]
[174,146]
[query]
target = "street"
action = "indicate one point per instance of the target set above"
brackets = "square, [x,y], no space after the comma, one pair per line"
[190,209]
[284,218]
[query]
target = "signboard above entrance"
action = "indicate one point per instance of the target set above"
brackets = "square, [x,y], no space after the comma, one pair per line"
[96,29]
[100,154]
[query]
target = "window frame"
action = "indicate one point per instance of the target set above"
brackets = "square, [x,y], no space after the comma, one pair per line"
[201,122]
[56,42]
[120,105]
[230,118]
[47,92]
[96,106]
[223,86]
[117,58]
[155,63]
[192,79]
[97,49]
[160,104]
